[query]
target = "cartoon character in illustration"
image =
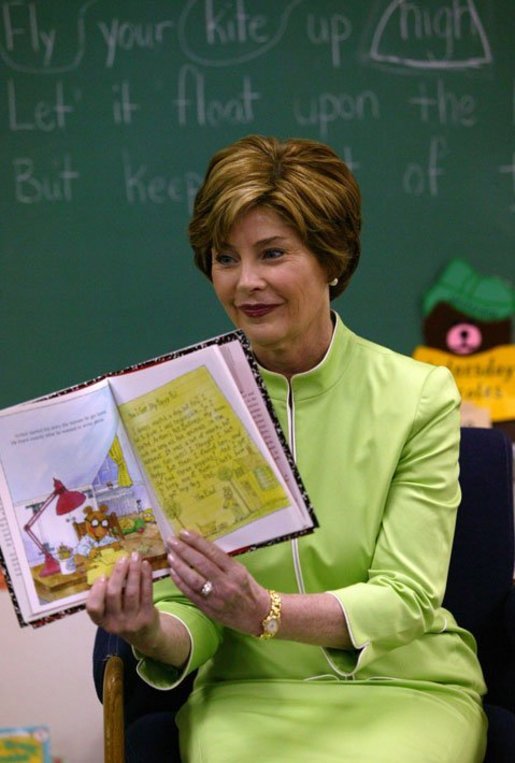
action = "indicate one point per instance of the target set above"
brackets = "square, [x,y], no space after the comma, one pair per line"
[97,534]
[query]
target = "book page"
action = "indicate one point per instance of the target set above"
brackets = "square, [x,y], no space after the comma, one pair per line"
[74,498]
[234,528]
[205,469]
[238,365]
[13,570]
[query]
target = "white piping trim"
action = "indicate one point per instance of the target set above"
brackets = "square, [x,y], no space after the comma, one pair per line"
[291,437]
[184,671]
[359,647]
[291,422]
[296,565]
[322,677]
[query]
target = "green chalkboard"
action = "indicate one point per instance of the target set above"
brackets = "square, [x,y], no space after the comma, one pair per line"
[111,109]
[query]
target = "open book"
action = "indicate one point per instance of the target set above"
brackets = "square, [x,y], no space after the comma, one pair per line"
[119,463]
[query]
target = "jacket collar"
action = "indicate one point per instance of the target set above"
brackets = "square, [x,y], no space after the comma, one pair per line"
[319,379]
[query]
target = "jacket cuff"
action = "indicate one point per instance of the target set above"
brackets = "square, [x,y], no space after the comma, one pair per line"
[163,676]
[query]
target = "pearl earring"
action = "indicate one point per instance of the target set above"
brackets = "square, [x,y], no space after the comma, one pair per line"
[333,282]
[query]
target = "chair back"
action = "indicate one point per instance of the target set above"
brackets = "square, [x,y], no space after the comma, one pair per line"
[482,562]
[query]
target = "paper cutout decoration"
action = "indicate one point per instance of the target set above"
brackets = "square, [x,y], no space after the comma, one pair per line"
[468,328]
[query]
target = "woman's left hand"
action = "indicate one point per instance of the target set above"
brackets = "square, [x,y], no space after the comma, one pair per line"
[235,600]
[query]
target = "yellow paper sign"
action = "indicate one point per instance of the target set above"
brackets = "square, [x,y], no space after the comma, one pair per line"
[486,379]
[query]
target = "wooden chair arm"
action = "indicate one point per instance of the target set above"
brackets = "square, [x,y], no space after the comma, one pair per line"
[114,738]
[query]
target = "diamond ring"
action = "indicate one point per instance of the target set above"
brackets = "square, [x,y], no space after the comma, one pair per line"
[206,589]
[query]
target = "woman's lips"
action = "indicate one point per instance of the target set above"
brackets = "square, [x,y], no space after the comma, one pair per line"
[256,311]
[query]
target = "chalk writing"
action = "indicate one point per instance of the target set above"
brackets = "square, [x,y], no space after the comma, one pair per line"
[232,34]
[329,30]
[123,106]
[45,115]
[431,36]
[419,179]
[230,22]
[326,108]
[28,45]
[142,187]
[54,186]
[349,160]
[196,106]
[206,471]
[39,39]
[128,36]
[445,107]
[110,110]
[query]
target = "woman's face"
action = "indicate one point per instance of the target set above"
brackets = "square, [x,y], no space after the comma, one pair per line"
[274,288]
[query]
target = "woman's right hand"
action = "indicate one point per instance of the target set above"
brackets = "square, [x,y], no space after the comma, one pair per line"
[122,604]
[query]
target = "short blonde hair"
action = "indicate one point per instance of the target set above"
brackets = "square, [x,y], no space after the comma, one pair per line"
[303,181]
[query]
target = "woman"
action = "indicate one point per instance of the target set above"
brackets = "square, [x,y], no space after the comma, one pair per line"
[333,647]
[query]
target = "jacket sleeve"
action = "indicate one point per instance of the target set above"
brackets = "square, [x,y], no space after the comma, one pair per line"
[406,582]
[205,638]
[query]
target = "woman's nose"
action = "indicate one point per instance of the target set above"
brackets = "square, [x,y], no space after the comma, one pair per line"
[250,277]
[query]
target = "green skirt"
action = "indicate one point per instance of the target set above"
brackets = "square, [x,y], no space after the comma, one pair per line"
[331,722]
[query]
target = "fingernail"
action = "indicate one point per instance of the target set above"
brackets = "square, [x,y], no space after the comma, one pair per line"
[171,559]
[185,534]
[121,561]
[135,556]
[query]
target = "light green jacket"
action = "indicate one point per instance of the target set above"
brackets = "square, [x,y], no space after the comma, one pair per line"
[375,436]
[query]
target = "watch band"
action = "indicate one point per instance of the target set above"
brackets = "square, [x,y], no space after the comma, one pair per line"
[271,623]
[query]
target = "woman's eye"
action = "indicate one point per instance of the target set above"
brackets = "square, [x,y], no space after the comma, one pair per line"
[223,259]
[273,254]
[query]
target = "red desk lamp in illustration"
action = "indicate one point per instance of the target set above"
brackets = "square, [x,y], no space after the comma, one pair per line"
[67,500]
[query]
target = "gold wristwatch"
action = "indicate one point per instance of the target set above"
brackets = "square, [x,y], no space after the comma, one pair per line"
[270,625]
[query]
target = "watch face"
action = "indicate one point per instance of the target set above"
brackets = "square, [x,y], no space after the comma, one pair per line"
[272,626]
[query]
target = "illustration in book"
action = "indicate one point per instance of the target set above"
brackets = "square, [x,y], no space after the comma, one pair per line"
[72,535]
